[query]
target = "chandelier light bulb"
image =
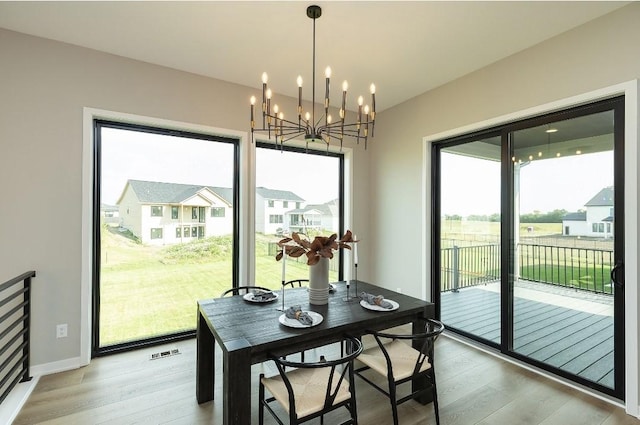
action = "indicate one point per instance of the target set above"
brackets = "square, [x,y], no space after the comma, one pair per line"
[345,85]
[253,100]
[268,93]
[372,88]
[275,109]
[281,115]
[265,78]
[299,81]
[327,72]
[307,116]
[366,109]
[360,101]
[329,119]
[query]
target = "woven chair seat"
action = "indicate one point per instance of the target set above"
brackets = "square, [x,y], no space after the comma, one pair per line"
[309,386]
[403,359]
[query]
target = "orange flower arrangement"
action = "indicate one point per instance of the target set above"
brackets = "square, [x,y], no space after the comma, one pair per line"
[321,246]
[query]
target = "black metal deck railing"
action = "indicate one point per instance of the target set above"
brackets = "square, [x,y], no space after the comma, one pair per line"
[15,316]
[580,268]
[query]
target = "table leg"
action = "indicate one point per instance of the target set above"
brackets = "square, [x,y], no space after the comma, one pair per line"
[236,381]
[205,361]
[423,382]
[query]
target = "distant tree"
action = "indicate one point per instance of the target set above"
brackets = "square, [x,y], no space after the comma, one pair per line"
[554,216]
[477,217]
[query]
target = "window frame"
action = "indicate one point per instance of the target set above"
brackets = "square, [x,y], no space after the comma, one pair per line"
[96,121]
[342,169]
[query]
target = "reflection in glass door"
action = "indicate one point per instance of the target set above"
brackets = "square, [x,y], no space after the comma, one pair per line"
[470,238]
[563,307]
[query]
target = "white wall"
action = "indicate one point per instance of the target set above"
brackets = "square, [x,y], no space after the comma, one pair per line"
[599,54]
[44,88]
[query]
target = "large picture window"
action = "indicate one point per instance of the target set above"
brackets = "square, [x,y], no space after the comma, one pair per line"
[304,204]
[151,271]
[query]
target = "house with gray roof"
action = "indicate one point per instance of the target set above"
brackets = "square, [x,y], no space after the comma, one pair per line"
[313,216]
[596,221]
[271,207]
[161,213]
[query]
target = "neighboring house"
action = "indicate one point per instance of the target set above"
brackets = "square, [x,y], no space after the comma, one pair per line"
[168,213]
[271,206]
[109,213]
[596,221]
[316,217]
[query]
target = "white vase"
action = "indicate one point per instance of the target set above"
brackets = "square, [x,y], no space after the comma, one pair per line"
[319,282]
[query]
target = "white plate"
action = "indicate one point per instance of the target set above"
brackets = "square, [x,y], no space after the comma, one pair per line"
[368,306]
[294,323]
[250,295]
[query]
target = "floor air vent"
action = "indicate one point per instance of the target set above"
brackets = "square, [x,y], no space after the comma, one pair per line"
[163,354]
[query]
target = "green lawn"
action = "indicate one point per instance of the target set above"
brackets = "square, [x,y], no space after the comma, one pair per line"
[587,278]
[151,291]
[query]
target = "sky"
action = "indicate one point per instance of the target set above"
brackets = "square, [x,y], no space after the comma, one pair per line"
[143,156]
[472,186]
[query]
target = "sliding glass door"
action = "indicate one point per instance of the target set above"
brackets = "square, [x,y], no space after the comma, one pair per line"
[555,297]
[470,237]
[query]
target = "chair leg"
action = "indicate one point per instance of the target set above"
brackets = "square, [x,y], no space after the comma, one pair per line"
[261,401]
[394,404]
[435,395]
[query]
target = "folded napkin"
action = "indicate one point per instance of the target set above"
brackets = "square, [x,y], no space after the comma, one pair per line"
[375,300]
[295,312]
[263,295]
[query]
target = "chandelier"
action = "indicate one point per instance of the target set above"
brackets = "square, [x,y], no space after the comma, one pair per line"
[324,128]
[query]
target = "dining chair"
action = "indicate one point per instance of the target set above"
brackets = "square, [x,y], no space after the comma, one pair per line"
[395,359]
[241,290]
[296,282]
[307,390]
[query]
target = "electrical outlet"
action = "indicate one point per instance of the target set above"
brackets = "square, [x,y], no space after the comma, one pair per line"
[61,331]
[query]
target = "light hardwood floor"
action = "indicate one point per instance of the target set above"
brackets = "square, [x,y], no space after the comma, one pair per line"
[473,387]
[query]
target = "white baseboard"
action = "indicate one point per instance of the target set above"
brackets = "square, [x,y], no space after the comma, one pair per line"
[12,405]
[18,396]
[55,367]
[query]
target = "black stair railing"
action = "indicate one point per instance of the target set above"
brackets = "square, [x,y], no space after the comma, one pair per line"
[15,318]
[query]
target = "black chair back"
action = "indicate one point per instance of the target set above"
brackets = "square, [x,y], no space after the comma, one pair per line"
[242,290]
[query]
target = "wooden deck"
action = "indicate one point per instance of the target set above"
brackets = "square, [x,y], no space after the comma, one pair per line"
[577,340]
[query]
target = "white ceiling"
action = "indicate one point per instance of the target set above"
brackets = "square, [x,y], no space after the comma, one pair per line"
[405,48]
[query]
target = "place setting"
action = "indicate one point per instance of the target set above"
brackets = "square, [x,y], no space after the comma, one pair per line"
[260,296]
[295,317]
[377,302]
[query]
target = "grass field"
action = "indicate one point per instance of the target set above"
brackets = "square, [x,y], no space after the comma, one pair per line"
[147,291]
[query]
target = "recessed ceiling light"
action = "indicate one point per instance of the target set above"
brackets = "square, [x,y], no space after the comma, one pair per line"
[551,130]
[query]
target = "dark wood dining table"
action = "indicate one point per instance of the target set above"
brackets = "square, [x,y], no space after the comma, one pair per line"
[248,332]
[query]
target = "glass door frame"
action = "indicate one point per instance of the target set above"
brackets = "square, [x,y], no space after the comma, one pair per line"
[615,104]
